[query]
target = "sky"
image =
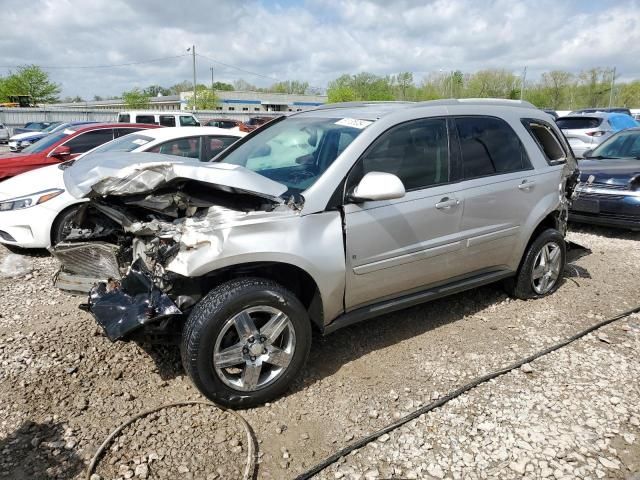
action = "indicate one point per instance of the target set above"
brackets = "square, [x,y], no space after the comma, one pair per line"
[310,40]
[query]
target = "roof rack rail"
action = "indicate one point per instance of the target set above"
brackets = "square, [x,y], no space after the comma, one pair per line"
[362,104]
[499,102]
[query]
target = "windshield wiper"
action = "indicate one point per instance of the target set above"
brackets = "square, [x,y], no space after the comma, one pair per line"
[601,157]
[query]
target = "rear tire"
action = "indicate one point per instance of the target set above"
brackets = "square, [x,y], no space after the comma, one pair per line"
[227,345]
[541,268]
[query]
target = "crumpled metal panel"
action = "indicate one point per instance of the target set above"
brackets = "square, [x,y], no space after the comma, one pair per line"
[122,308]
[83,264]
[125,173]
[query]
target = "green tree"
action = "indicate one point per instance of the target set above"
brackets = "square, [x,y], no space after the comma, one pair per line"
[225,87]
[629,94]
[363,86]
[292,87]
[243,85]
[30,80]
[404,87]
[155,90]
[492,83]
[555,85]
[205,99]
[136,98]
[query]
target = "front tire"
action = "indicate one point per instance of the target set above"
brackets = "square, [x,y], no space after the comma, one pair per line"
[245,342]
[541,267]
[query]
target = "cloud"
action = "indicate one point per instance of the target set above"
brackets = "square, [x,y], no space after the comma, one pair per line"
[316,40]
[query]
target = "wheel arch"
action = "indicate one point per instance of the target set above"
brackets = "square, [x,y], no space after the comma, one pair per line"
[62,212]
[292,277]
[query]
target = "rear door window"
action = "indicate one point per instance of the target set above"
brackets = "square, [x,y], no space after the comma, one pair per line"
[89,140]
[168,120]
[489,146]
[146,119]
[182,147]
[578,123]
[121,132]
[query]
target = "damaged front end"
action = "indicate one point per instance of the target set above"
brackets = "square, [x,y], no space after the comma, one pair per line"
[122,307]
[171,215]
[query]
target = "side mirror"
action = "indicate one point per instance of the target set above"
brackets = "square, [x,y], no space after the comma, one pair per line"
[378,186]
[587,153]
[61,152]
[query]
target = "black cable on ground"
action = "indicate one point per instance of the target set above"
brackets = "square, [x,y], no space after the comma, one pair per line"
[456,393]
[249,468]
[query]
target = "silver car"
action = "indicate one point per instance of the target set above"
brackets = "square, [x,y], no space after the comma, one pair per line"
[4,134]
[585,131]
[319,220]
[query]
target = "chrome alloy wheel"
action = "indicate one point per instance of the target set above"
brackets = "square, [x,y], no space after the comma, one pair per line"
[546,268]
[254,348]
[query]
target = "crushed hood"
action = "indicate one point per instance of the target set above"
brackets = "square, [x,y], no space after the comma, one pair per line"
[125,173]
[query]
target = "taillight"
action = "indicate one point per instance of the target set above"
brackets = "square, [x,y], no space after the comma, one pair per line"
[598,133]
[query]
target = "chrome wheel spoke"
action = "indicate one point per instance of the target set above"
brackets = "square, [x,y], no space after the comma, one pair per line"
[274,327]
[245,326]
[251,375]
[538,272]
[278,357]
[229,356]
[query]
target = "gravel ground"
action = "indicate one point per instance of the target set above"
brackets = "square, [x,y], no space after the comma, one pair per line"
[573,414]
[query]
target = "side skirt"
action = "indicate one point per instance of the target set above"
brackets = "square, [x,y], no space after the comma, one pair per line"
[400,303]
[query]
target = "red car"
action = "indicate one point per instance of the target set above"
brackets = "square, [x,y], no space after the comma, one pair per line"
[64,145]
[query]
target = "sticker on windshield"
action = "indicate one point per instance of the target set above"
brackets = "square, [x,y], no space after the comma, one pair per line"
[354,122]
[68,132]
[140,141]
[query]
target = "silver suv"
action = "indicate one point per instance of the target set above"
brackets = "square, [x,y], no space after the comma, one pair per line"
[319,220]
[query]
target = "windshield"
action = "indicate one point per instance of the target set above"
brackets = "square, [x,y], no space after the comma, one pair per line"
[622,145]
[578,123]
[297,150]
[44,143]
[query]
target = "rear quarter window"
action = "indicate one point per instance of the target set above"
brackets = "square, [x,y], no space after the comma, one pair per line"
[546,139]
[124,118]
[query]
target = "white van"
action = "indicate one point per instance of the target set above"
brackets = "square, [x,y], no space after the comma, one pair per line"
[164,118]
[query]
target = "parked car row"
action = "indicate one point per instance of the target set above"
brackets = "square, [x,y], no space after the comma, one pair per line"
[237,248]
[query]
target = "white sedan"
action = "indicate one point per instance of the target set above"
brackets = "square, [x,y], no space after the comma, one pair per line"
[47,214]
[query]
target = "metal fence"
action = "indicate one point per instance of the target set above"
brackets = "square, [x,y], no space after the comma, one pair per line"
[17,117]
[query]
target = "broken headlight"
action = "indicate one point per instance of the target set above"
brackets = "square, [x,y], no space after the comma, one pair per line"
[29,200]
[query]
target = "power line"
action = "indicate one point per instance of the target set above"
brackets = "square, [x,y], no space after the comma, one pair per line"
[273,79]
[237,68]
[61,67]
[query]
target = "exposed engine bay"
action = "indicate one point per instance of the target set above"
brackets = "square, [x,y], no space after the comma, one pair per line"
[154,223]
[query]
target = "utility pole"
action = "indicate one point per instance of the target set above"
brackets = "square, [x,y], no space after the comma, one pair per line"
[212,90]
[613,82]
[523,83]
[195,95]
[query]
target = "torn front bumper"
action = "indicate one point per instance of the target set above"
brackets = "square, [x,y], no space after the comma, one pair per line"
[122,307]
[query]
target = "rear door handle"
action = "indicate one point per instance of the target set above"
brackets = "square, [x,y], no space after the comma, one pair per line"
[526,185]
[446,203]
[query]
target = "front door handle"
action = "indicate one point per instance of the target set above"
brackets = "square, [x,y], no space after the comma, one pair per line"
[526,185]
[446,203]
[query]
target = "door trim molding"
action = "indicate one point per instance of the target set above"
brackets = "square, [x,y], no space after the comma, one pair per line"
[400,303]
